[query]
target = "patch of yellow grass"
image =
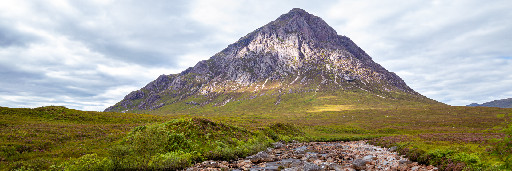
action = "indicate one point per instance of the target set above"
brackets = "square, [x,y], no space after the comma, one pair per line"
[327,97]
[330,108]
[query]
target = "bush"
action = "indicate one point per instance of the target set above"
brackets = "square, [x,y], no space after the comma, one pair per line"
[150,140]
[179,143]
[503,148]
[171,161]
[467,158]
[90,162]
[259,142]
[438,156]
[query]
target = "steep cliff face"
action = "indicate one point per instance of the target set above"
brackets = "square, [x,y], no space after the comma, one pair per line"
[298,52]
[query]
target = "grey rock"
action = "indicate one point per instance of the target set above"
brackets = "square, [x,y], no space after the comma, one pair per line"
[393,149]
[192,103]
[368,158]
[261,156]
[278,145]
[135,95]
[301,150]
[292,169]
[404,162]
[265,168]
[359,164]
[290,163]
[311,167]
[335,167]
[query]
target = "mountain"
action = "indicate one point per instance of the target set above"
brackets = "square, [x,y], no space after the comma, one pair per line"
[473,104]
[503,103]
[296,54]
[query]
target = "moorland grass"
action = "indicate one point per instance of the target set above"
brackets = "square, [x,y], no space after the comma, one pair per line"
[449,137]
[178,143]
[41,137]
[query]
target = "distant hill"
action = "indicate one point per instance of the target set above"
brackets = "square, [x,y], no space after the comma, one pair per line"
[503,103]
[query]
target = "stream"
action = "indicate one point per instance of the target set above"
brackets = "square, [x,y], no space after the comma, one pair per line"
[319,156]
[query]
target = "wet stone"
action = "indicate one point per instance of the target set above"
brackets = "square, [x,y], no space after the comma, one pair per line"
[262,156]
[301,150]
[359,164]
[404,162]
[311,167]
[392,149]
[278,145]
[368,158]
[346,156]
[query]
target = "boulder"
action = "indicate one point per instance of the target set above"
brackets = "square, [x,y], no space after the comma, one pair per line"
[311,167]
[261,156]
[359,164]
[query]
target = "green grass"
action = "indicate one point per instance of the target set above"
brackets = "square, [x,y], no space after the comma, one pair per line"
[429,132]
[41,137]
[58,138]
[179,143]
[450,151]
[466,134]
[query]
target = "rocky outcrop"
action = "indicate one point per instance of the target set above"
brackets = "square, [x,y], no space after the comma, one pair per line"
[297,49]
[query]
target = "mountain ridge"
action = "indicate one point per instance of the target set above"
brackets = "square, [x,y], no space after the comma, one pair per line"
[297,52]
[502,103]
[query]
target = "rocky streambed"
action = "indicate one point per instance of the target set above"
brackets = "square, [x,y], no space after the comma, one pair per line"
[354,155]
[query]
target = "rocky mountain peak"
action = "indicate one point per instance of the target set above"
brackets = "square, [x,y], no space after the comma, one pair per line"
[298,11]
[297,52]
[303,23]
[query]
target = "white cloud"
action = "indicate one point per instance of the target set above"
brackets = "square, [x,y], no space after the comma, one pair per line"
[89,54]
[446,50]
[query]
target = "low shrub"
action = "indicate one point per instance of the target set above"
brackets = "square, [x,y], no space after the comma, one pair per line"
[179,143]
[89,162]
[503,148]
[171,161]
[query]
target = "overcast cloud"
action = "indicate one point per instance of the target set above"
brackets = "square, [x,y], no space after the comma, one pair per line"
[89,54]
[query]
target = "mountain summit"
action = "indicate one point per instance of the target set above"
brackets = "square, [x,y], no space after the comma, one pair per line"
[298,53]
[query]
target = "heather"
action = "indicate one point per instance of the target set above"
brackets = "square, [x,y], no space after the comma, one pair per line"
[59,138]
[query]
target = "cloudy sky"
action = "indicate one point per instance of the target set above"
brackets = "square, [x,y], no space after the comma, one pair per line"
[89,54]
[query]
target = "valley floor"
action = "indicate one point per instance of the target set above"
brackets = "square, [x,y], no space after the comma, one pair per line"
[446,137]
